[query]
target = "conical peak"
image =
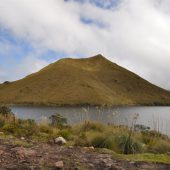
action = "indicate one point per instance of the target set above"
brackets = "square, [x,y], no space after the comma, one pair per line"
[98,56]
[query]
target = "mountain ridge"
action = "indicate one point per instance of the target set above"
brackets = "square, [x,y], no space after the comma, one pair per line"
[87,81]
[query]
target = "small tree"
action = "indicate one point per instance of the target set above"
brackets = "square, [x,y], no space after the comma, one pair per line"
[6,111]
[58,120]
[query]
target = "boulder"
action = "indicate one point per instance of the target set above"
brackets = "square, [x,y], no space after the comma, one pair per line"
[60,141]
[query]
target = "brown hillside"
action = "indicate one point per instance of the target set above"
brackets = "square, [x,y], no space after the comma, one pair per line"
[93,81]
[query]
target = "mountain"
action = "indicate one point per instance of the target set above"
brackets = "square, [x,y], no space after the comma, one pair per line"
[86,81]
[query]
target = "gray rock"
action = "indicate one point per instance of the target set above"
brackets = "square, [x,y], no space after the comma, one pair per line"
[22,138]
[59,165]
[60,141]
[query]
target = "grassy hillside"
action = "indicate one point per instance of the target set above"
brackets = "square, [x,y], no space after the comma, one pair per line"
[93,81]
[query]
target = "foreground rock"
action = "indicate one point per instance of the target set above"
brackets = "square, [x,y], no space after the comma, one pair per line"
[60,141]
[52,157]
[59,165]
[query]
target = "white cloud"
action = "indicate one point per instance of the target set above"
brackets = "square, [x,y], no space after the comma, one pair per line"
[29,65]
[135,34]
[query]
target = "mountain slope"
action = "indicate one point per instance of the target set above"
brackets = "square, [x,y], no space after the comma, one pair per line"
[93,81]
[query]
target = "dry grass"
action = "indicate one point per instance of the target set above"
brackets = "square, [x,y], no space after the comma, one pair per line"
[93,81]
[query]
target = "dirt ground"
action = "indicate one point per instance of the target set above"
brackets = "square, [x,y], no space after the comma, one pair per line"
[53,157]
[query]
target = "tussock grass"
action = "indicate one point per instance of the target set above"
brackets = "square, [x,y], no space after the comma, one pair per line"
[120,139]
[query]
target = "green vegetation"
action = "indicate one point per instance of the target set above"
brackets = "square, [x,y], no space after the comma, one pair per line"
[121,141]
[92,81]
[146,157]
[58,120]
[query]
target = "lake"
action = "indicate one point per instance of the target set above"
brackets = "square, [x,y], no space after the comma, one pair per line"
[158,118]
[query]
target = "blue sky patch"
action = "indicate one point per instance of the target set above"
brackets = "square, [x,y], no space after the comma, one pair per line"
[105,4]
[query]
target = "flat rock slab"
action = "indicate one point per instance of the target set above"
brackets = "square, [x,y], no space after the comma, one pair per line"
[52,157]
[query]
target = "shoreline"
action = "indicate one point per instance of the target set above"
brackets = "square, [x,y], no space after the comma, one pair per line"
[83,105]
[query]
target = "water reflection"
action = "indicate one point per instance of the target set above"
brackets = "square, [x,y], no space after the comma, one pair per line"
[157,118]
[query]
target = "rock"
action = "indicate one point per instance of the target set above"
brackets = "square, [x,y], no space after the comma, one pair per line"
[115,167]
[21,153]
[85,147]
[59,165]
[22,138]
[132,162]
[1,133]
[91,147]
[1,152]
[60,141]
[70,147]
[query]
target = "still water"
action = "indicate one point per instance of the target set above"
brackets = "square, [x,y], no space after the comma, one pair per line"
[158,118]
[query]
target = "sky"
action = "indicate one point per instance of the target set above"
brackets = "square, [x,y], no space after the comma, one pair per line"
[132,33]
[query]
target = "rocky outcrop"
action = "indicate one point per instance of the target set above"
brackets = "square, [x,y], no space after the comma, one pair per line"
[45,156]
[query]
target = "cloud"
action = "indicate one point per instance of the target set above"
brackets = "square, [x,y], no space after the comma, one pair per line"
[133,33]
[28,65]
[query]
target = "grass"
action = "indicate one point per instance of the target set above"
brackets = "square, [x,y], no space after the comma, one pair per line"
[90,81]
[146,157]
[141,157]
[90,134]
[149,146]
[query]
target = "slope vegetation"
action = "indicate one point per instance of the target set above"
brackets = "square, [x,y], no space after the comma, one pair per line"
[93,81]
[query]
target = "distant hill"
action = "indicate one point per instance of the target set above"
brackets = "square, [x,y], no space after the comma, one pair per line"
[86,81]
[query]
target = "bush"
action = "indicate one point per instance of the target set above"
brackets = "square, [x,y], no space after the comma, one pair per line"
[58,120]
[95,126]
[102,141]
[9,128]
[65,134]
[19,128]
[82,140]
[149,137]
[45,129]
[159,146]
[5,111]
[128,145]
[2,121]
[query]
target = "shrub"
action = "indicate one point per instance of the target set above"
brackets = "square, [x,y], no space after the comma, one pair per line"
[82,140]
[58,120]
[159,146]
[154,133]
[42,137]
[65,134]
[101,141]
[148,137]
[5,111]
[45,129]
[95,126]
[128,145]
[9,128]
[2,121]
[21,128]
